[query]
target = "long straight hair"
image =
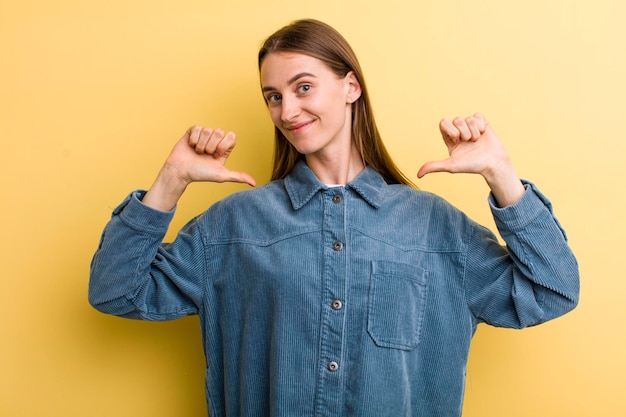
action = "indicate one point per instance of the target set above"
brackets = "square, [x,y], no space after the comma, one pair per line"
[319,40]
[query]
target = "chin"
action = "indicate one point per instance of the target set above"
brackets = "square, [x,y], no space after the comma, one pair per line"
[302,147]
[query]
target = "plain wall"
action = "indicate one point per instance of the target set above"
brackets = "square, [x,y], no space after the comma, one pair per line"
[93,95]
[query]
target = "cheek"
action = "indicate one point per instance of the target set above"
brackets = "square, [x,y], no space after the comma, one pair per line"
[274,114]
[276,119]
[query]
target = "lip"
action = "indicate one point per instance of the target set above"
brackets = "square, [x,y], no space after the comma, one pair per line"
[298,127]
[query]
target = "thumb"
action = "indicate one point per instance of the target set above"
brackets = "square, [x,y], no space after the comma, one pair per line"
[443,165]
[239,176]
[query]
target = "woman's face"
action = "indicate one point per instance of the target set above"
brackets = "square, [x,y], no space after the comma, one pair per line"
[309,103]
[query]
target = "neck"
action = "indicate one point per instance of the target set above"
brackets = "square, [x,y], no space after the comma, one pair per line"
[336,169]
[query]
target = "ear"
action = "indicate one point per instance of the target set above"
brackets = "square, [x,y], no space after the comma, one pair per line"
[353,86]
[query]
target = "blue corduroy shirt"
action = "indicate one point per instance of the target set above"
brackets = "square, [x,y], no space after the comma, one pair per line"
[358,300]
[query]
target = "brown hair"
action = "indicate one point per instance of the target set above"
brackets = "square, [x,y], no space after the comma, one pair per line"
[319,40]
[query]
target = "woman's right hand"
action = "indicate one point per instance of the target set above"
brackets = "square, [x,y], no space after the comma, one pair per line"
[199,155]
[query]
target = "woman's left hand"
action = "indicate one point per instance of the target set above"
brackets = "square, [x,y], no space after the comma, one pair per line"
[474,148]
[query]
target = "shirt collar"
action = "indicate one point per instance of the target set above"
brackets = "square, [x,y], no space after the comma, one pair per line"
[302,185]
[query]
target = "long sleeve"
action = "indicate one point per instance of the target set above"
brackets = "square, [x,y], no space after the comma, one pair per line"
[534,279]
[134,275]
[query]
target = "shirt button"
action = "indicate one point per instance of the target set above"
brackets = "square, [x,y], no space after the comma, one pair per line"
[333,366]
[337,198]
[336,305]
[337,246]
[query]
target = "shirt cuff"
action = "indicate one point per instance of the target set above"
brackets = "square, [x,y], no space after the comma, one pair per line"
[520,214]
[133,213]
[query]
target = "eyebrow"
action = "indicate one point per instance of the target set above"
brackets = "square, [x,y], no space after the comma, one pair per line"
[291,80]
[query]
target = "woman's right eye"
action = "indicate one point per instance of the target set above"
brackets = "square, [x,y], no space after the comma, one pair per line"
[273,98]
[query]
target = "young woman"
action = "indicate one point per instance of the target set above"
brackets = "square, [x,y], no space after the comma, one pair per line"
[336,288]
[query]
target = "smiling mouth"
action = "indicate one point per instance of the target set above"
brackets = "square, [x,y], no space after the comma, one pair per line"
[297,128]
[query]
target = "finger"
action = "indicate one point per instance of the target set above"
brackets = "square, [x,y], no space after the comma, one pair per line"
[461,125]
[472,124]
[226,145]
[206,134]
[213,142]
[449,131]
[194,135]
[482,122]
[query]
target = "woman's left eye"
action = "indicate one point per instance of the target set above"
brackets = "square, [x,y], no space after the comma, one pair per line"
[304,88]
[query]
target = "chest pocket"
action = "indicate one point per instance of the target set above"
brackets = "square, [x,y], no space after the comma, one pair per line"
[396,304]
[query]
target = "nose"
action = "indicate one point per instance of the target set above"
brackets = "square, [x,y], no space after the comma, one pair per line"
[289,109]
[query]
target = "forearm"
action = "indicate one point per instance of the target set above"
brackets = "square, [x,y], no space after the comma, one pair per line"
[534,278]
[127,247]
[545,269]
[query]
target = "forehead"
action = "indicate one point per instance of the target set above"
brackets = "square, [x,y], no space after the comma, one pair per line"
[279,67]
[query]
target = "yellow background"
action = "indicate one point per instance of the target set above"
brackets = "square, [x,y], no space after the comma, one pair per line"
[93,94]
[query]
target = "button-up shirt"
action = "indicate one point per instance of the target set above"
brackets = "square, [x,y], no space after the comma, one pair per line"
[357,300]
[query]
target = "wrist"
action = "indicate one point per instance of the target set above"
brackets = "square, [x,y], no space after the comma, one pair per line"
[505,184]
[166,190]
